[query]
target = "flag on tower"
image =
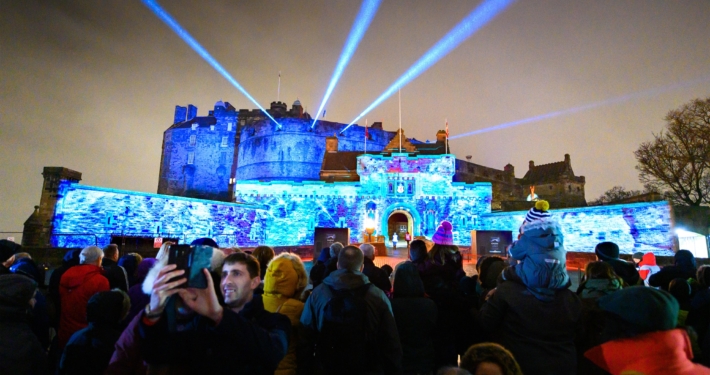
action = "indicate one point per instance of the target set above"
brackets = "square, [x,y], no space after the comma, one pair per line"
[323,114]
[447,129]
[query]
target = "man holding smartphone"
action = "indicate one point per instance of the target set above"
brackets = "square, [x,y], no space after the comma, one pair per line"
[237,337]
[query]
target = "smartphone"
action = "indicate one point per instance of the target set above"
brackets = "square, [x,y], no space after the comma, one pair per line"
[191,259]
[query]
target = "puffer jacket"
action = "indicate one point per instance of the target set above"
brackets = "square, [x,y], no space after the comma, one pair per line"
[77,285]
[541,250]
[280,288]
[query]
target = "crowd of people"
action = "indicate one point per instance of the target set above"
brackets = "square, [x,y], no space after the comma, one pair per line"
[262,313]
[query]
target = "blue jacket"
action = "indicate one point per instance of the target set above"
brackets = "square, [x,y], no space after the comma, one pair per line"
[541,250]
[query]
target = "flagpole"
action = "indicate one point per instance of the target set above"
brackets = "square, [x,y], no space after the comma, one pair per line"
[399,94]
[447,135]
[278,90]
[365,135]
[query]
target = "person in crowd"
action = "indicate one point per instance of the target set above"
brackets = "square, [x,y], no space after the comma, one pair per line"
[541,252]
[70,259]
[680,290]
[20,351]
[332,264]
[684,267]
[490,269]
[284,283]
[539,332]
[130,263]
[395,239]
[418,254]
[318,269]
[139,298]
[7,255]
[647,267]
[408,238]
[490,358]
[415,315]
[599,280]
[77,285]
[376,275]
[348,324]
[445,254]
[89,350]
[388,270]
[699,314]
[640,335]
[40,311]
[21,255]
[198,335]
[263,255]
[116,275]
[637,257]
[609,252]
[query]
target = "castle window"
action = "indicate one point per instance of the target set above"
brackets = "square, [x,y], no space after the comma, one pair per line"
[229,126]
[193,140]
[211,128]
[243,122]
[190,158]
[223,158]
[194,126]
[224,141]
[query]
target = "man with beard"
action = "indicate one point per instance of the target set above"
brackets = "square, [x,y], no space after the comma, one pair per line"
[239,337]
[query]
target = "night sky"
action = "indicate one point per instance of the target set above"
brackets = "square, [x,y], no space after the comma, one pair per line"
[92,85]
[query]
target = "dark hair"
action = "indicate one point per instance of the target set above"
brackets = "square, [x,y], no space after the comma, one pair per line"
[388,269]
[350,258]
[438,252]
[703,275]
[246,259]
[407,282]
[600,270]
[263,254]
[493,353]
[417,251]
[110,250]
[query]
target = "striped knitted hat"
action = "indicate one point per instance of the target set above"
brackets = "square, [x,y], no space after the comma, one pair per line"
[538,212]
[444,234]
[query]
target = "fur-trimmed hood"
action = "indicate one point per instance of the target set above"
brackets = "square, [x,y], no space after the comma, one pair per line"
[216,263]
[546,232]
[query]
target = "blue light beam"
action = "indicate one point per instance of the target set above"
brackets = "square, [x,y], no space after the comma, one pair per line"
[184,35]
[474,21]
[362,22]
[585,107]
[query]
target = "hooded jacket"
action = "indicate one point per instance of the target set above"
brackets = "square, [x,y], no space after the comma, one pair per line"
[543,256]
[280,287]
[595,288]
[648,267]
[380,318]
[76,287]
[684,267]
[655,353]
[20,351]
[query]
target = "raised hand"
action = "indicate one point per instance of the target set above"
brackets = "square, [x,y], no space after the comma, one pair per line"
[164,287]
[203,301]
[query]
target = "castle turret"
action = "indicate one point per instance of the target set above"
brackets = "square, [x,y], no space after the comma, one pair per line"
[180,114]
[191,111]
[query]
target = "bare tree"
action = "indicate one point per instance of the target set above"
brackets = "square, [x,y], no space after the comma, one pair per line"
[677,162]
[615,194]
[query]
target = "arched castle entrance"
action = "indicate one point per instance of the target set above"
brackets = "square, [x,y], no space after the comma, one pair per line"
[397,215]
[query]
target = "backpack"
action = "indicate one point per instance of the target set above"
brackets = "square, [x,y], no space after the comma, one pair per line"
[345,343]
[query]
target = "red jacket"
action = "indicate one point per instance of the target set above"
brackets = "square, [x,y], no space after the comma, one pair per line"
[655,353]
[76,286]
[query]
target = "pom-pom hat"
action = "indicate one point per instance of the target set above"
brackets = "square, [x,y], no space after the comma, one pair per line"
[538,212]
[444,234]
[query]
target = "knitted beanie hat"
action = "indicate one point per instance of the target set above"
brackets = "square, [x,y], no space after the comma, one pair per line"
[607,251]
[538,212]
[637,255]
[444,234]
[646,309]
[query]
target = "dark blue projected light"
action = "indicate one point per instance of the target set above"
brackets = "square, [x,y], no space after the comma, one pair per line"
[184,35]
[362,22]
[569,111]
[475,20]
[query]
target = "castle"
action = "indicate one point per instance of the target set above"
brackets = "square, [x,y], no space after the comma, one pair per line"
[205,156]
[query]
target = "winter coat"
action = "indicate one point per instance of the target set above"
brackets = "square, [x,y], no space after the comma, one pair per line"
[543,256]
[655,353]
[699,314]
[116,275]
[625,270]
[252,341]
[684,267]
[380,319]
[595,288]
[77,285]
[71,259]
[377,275]
[416,317]
[127,357]
[89,350]
[318,269]
[648,267]
[20,351]
[280,283]
[539,334]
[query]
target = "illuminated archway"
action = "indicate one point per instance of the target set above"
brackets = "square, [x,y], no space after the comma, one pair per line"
[414,219]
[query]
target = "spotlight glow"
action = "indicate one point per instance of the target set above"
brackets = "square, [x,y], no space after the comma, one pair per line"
[362,22]
[569,111]
[475,20]
[184,35]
